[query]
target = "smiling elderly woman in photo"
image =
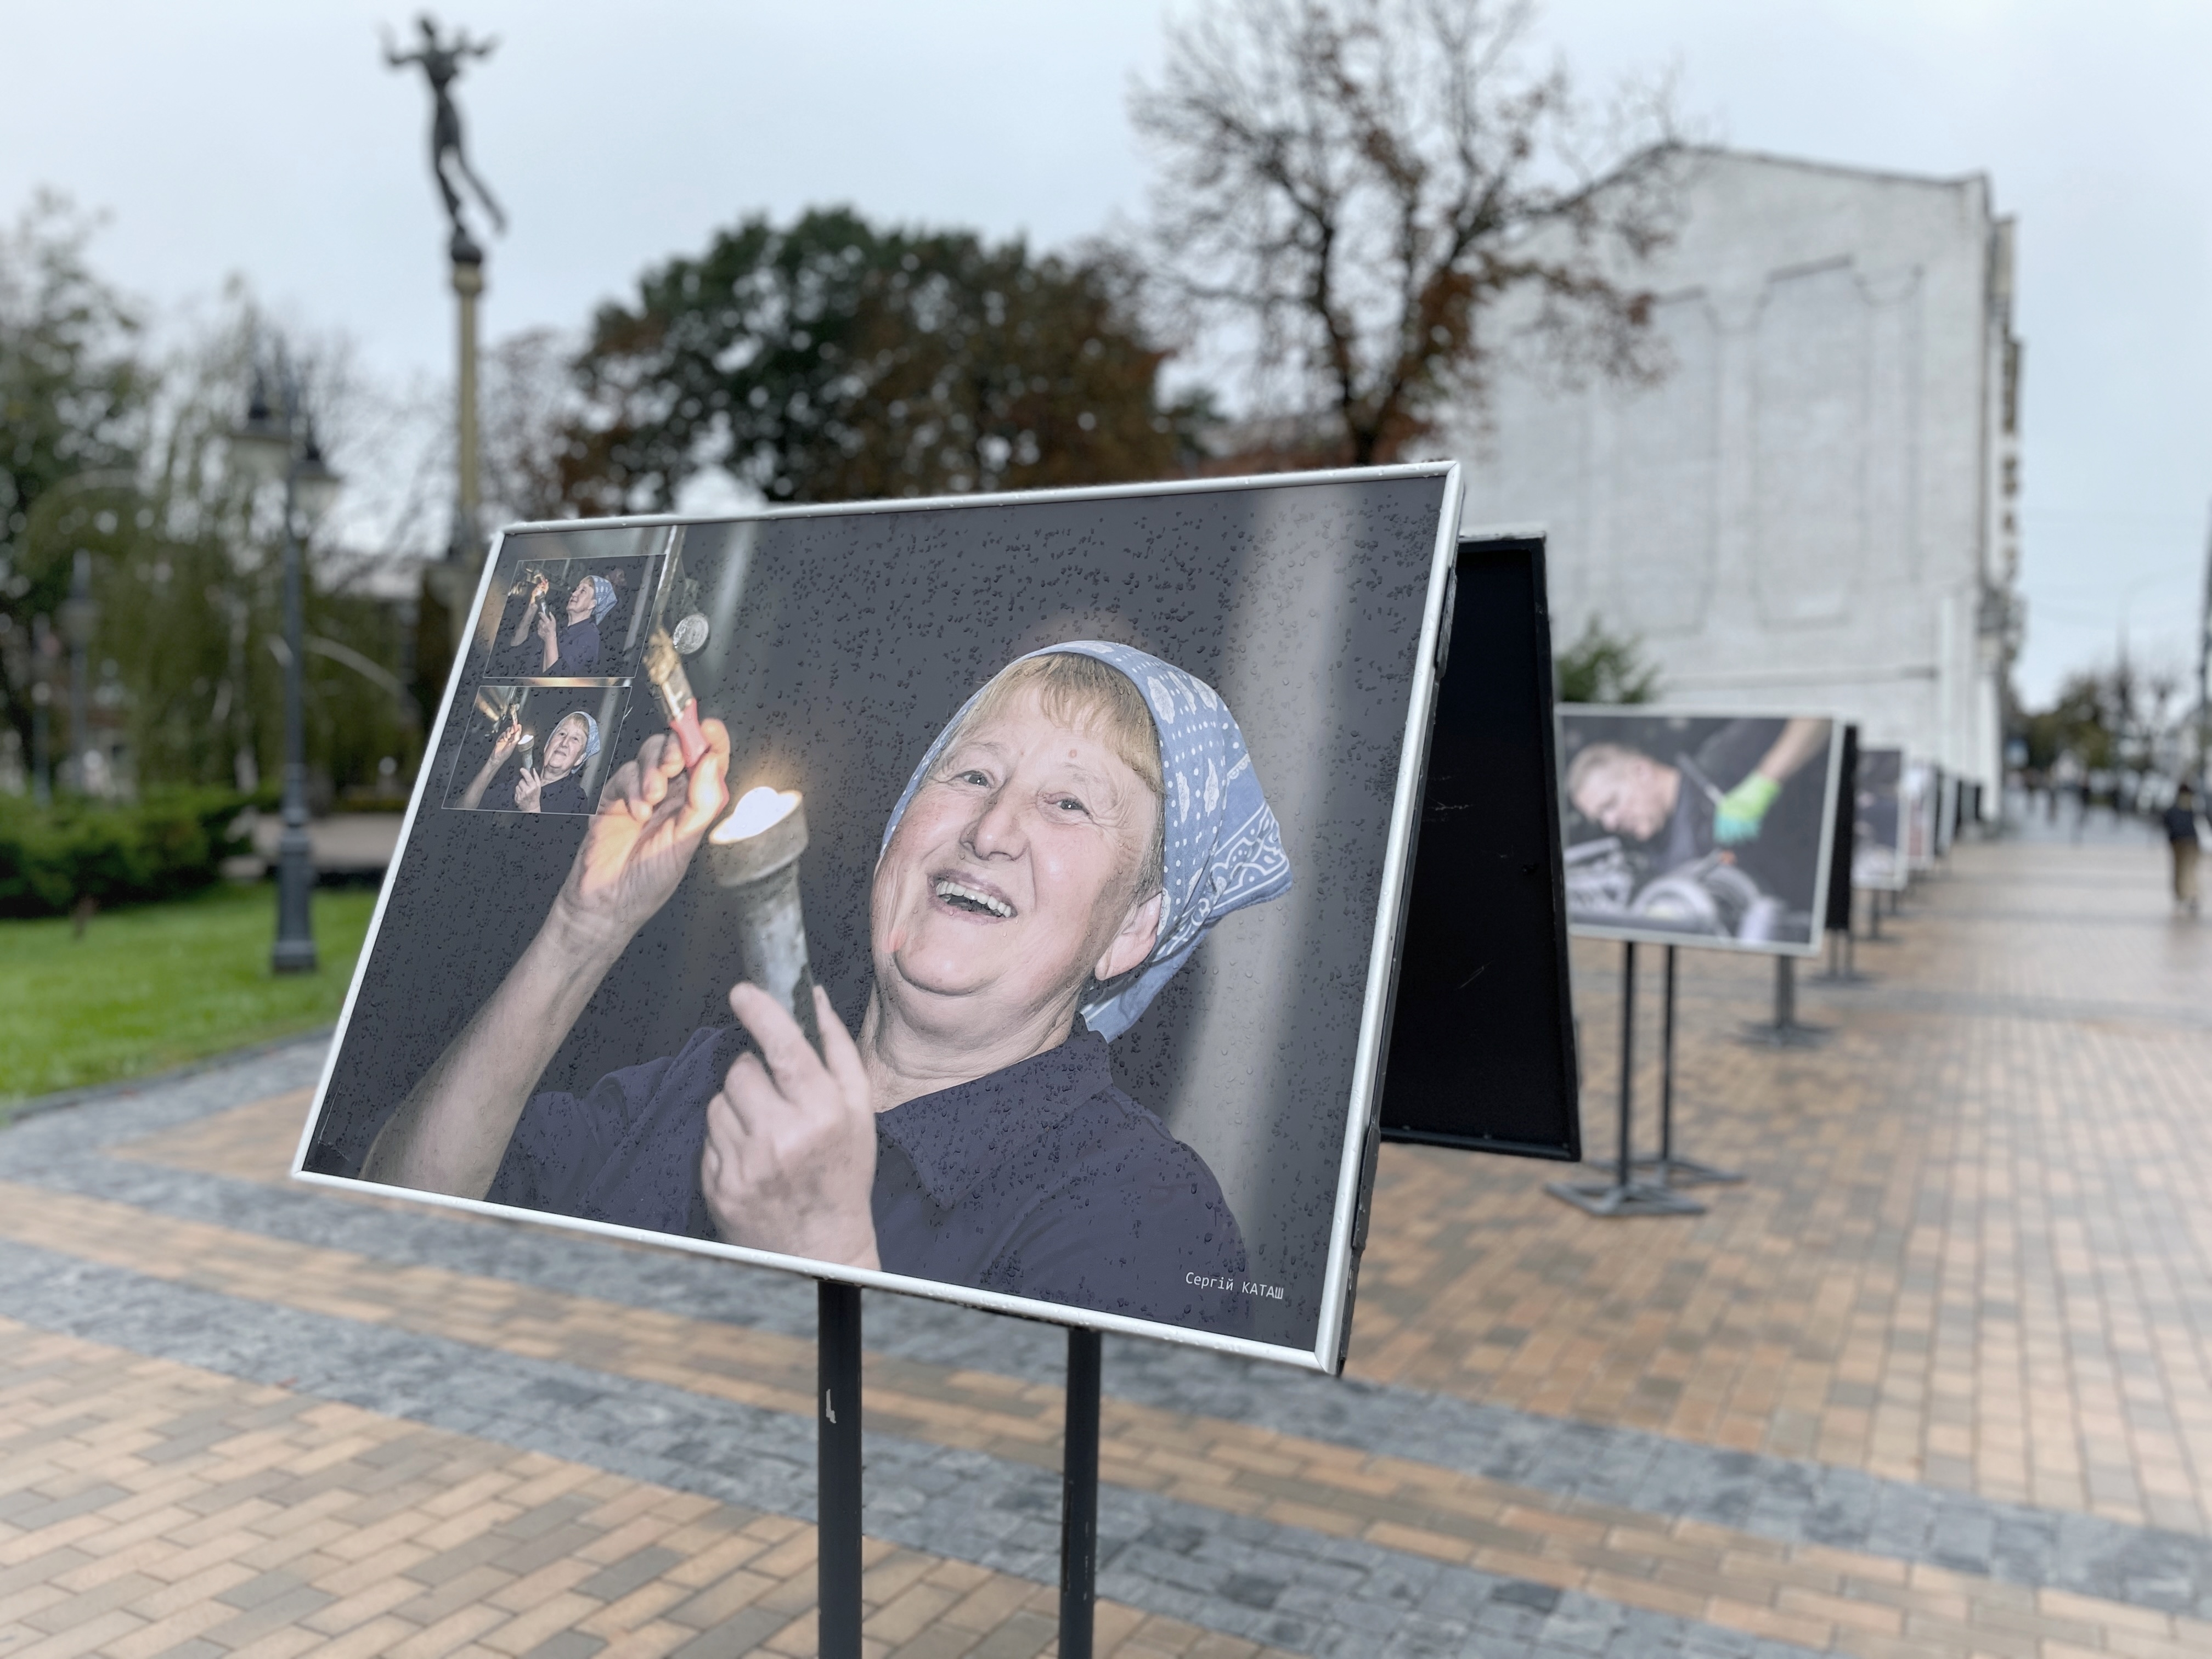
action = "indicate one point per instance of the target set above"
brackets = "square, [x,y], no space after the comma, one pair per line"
[554,786]
[1060,852]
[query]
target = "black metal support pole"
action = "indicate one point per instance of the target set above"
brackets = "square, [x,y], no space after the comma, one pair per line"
[295,949]
[1627,1059]
[837,1453]
[1666,1075]
[1674,1171]
[77,622]
[1784,1031]
[1079,1497]
[1843,967]
[1625,1194]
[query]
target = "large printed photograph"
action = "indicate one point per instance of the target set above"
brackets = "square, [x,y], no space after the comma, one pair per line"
[989,900]
[1696,829]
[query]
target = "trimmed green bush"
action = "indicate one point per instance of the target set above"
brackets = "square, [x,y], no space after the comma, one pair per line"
[170,844]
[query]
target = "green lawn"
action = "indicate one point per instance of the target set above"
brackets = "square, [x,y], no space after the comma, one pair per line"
[158,985]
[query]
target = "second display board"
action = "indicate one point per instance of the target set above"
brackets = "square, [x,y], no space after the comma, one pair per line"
[1685,827]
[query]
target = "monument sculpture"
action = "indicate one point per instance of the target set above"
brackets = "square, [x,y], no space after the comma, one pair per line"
[441,61]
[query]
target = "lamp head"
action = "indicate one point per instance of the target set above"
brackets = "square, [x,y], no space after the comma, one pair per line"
[262,446]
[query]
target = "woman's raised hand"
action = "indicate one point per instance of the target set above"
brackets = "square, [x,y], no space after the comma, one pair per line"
[790,1160]
[527,785]
[653,814]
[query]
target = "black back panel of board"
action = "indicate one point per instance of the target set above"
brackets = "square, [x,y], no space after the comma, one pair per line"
[1482,1052]
[1838,918]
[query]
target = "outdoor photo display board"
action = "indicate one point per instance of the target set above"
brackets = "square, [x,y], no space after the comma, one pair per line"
[1482,1048]
[1089,813]
[1689,828]
[1843,853]
[1878,852]
[1919,816]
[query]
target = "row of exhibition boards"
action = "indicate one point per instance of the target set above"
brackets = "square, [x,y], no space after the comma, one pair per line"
[1739,831]
[749,857]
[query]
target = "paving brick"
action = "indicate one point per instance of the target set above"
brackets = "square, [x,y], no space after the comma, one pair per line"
[1960,1262]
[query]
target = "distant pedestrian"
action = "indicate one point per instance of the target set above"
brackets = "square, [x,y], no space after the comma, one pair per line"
[2181,836]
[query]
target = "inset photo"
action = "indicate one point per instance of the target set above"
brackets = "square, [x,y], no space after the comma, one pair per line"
[577,607]
[534,748]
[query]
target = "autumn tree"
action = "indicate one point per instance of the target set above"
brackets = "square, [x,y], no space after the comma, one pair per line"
[1352,187]
[833,360]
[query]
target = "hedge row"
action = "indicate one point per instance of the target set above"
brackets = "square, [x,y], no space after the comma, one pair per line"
[168,844]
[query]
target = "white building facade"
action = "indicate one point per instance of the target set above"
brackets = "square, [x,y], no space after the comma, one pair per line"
[1813,507]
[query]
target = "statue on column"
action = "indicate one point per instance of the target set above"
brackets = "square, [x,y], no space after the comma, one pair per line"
[441,62]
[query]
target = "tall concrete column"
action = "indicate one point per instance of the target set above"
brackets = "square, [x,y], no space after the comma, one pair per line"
[466,555]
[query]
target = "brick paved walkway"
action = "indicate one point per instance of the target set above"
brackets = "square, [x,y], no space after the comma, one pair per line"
[1938,1381]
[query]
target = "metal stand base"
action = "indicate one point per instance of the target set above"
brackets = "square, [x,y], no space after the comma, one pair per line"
[1688,1172]
[1620,1198]
[1760,1035]
[1843,966]
[1784,1030]
[1623,1195]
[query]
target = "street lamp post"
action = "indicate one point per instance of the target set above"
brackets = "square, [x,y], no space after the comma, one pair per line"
[79,619]
[279,443]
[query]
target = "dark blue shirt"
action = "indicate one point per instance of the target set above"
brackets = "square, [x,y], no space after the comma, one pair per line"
[565,794]
[576,648]
[1042,1180]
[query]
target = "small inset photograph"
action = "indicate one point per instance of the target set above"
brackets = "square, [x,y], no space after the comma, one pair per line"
[534,748]
[571,606]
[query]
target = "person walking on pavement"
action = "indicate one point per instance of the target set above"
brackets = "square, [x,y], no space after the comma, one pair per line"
[2181,836]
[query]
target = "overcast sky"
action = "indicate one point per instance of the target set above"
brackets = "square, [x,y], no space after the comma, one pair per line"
[269,140]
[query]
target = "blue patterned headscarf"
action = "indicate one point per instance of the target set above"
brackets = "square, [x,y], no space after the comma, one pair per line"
[603,598]
[1221,849]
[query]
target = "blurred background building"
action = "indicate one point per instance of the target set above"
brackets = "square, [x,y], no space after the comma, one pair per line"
[1813,505]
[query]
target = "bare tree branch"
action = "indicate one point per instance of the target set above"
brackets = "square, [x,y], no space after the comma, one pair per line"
[1355,186]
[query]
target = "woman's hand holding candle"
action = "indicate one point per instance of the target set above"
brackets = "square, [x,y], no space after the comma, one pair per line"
[652,815]
[790,1159]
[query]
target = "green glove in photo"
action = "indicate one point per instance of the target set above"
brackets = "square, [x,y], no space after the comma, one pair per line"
[1736,818]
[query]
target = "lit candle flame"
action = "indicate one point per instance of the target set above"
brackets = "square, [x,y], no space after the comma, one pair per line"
[757,811]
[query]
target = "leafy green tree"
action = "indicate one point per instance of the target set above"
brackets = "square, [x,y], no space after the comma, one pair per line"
[836,360]
[73,396]
[1603,667]
[110,455]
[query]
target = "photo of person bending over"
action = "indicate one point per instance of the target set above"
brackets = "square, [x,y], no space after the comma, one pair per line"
[570,647]
[556,784]
[1060,852]
[1745,791]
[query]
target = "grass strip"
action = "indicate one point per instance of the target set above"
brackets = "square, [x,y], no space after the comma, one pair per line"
[157,986]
